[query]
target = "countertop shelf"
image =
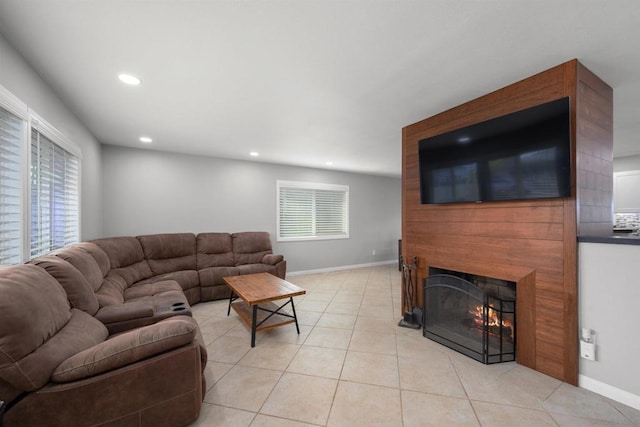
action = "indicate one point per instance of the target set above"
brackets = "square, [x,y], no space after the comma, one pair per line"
[617,239]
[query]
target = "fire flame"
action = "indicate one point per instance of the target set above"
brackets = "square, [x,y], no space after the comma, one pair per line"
[493,321]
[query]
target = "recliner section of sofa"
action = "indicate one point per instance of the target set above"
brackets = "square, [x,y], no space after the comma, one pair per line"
[252,254]
[223,254]
[60,366]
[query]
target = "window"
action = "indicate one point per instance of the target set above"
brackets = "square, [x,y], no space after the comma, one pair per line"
[11,140]
[43,215]
[54,196]
[312,211]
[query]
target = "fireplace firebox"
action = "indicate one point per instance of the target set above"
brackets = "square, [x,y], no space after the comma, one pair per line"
[473,315]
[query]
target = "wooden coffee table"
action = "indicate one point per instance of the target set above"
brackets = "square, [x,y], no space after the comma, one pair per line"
[257,292]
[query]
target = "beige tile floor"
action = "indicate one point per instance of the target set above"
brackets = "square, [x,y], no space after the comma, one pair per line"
[352,365]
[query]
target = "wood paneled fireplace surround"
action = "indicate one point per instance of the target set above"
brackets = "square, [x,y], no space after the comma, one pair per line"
[532,243]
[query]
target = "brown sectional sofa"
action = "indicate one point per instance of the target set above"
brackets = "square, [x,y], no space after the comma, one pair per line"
[101,333]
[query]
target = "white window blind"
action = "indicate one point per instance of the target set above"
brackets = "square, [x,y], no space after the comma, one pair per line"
[55,221]
[11,137]
[312,211]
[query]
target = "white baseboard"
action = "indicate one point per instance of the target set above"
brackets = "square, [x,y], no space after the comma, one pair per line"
[609,391]
[342,267]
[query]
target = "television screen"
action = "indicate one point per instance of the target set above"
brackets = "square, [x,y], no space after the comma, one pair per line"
[519,156]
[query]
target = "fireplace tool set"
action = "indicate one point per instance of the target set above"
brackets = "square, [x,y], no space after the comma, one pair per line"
[412,314]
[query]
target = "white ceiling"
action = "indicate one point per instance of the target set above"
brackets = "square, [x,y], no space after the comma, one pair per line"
[305,82]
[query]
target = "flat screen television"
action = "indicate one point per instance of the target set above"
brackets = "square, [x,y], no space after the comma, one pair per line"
[520,156]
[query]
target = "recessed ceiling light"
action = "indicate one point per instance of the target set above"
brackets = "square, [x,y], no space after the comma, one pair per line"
[254,154]
[129,79]
[146,139]
[328,163]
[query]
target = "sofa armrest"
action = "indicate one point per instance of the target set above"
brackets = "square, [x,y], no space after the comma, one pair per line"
[123,312]
[272,259]
[126,349]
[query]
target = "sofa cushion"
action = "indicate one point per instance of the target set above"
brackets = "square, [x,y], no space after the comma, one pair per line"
[186,279]
[134,273]
[81,332]
[250,247]
[125,349]
[212,276]
[98,255]
[79,292]
[150,289]
[126,258]
[112,290]
[167,253]
[34,308]
[85,263]
[214,250]
[39,329]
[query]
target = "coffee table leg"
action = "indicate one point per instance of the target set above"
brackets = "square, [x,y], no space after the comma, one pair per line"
[253,325]
[230,299]
[295,317]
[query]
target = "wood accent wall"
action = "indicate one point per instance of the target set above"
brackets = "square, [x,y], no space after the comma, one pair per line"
[594,131]
[533,243]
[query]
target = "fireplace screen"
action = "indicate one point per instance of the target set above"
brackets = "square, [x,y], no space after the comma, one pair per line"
[473,321]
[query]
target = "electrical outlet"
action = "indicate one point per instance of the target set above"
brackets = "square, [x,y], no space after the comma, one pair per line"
[587,350]
[373,252]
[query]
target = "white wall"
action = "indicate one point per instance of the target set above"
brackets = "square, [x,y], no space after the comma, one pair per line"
[609,304]
[19,78]
[149,192]
[629,163]
[625,195]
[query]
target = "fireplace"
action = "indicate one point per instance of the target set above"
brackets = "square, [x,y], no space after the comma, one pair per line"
[474,315]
